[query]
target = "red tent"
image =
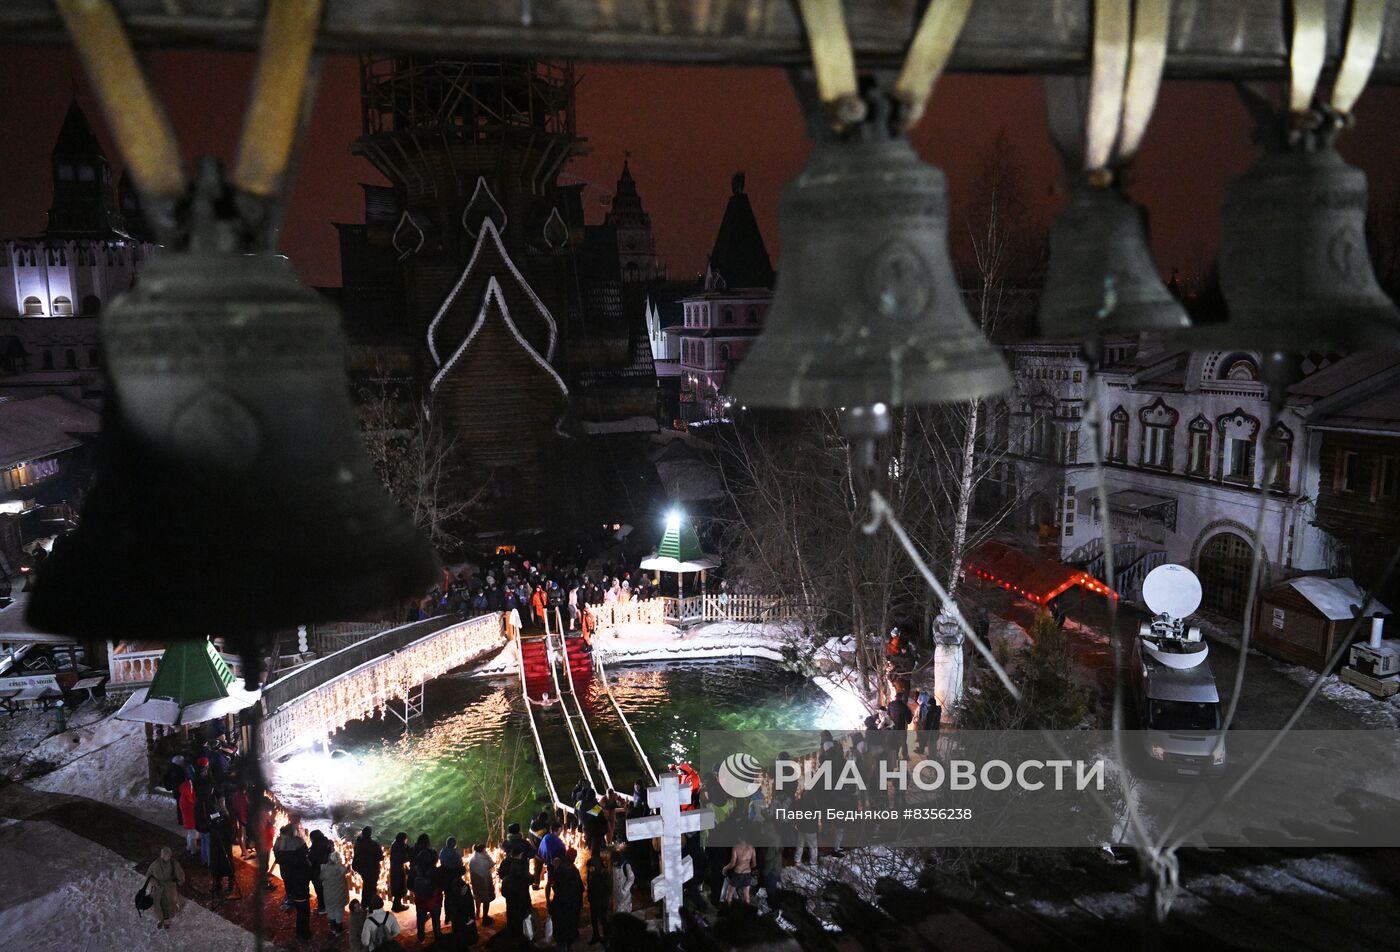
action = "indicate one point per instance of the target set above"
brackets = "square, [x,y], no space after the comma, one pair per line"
[1032,576]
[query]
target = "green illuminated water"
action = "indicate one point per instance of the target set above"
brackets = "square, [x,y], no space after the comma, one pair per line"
[474,742]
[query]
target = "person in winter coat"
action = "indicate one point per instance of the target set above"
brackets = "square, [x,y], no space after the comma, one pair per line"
[220,836]
[319,852]
[538,602]
[427,889]
[296,879]
[450,858]
[287,849]
[458,907]
[623,880]
[483,886]
[600,888]
[187,817]
[366,859]
[163,879]
[334,890]
[515,887]
[398,872]
[566,901]
[380,928]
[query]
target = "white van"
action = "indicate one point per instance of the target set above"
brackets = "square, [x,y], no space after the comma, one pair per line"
[1178,710]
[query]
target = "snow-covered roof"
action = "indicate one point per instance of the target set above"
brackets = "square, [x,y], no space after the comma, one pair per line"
[1333,597]
[172,714]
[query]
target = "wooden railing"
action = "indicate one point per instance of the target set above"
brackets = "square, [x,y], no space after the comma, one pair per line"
[695,608]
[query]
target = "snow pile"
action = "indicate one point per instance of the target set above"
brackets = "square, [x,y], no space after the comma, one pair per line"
[726,639]
[78,896]
[1376,712]
[105,762]
[27,729]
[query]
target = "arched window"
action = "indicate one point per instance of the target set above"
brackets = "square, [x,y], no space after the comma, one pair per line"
[723,354]
[1238,434]
[48,360]
[62,306]
[94,357]
[1280,439]
[92,304]
[70,359]
[752,315]
[1198,450]
[1158,428]
[1118,436]
[727,316]
[33,307]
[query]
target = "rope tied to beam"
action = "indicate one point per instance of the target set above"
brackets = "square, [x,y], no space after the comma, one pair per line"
[834,62]
[1307,52]
[142,128]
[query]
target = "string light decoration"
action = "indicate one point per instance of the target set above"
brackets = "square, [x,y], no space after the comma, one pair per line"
[366,691]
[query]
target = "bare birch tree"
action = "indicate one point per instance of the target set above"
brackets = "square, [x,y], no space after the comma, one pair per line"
[414,460]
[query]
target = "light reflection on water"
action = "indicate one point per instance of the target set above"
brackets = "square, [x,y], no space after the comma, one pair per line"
[474,741]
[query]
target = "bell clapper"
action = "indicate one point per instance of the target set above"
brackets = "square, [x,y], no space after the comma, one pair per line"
[862,426]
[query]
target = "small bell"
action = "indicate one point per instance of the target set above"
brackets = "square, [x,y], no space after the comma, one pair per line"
[867,309]
[1294,265]
[233,492]
[1101,278]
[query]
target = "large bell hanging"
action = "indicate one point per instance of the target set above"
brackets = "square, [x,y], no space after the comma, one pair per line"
[233,492]
[1294,266]
[1101,278]
[867,309]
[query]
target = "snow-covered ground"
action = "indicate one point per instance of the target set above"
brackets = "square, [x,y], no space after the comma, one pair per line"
[67,894]
[104,761]
[1373,712]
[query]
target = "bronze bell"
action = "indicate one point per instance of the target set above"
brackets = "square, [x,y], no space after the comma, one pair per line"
[1101,278]
[867,309]
[1294,265]
[233,492]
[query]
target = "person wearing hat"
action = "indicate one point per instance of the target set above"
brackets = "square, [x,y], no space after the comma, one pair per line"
[334,890]
[481,866]
[163,879]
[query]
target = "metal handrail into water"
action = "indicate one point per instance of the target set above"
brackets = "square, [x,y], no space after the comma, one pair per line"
[535,731]
[626,727]
[578,704]
[564,706]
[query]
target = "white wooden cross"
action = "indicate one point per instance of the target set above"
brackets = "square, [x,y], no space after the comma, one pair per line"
[670,795]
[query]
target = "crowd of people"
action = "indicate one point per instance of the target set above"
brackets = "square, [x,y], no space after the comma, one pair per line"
[451,888]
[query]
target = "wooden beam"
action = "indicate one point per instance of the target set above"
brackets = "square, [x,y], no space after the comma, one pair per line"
[1210,39]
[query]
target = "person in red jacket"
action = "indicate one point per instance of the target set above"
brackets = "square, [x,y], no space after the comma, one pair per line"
[587,624]
[187,799]
[538,602]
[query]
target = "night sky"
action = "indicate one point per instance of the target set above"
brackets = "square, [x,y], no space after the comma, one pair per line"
[688,129]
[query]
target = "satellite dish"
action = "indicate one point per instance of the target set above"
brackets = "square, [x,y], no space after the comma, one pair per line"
[1172,590]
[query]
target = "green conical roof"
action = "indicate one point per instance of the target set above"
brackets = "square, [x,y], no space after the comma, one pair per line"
[680,543]
[190,672]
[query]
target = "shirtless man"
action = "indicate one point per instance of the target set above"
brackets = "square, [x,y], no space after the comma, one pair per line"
[740,870]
